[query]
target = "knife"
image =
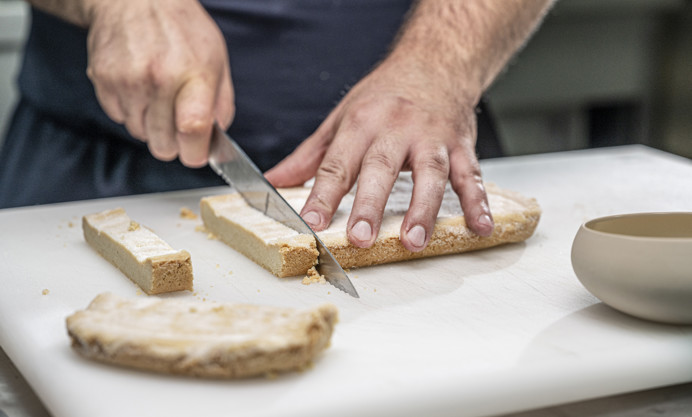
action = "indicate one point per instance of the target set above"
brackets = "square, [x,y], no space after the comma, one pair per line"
[237,169]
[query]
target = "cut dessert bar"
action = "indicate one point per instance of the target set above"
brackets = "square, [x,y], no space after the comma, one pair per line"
[138,252]
[285,252]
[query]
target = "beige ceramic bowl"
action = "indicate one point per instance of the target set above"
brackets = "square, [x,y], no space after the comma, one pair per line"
[640,264]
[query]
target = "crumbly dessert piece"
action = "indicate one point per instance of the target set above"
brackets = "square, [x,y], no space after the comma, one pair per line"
[138,252]
[202,339]
[280,249]
[516,218]
[313,277]
[186,213]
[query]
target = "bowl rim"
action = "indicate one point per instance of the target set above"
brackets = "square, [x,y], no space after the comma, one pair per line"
[586,226]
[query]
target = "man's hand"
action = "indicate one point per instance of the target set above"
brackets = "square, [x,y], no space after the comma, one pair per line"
[392,120]
[161,68]
[414,111]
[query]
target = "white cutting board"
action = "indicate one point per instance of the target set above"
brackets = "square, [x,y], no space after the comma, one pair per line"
[496,331]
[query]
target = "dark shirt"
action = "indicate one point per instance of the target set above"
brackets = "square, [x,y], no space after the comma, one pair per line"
[291,62]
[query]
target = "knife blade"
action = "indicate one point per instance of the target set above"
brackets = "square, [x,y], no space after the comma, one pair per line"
[228,160]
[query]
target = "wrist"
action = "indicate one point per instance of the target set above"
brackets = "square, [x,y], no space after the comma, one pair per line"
[90,10]
[435,74]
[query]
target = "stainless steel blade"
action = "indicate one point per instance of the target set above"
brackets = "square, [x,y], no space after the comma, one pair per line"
[229,161]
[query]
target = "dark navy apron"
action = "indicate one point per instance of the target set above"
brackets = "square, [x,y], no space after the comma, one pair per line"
[291,62]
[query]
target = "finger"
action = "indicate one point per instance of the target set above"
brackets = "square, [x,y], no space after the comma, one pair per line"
[379,170]
[106,94]
[124,104]
[159,126]
[466,180]
[109,102]
[121,96]
[336,174]
[299,166]
[135,109]
[225,102]
[194,118]
[430,171]
[303,162]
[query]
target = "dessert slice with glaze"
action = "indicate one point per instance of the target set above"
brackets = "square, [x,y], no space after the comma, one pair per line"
[138,252]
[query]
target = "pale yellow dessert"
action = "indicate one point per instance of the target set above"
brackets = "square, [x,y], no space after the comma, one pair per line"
[278,248]
[138,252]
[203,339]
[186,213]
[313,277]
[274,245]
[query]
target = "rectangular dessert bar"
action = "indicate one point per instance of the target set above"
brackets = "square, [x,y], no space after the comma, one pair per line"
[138,252]
[285,252]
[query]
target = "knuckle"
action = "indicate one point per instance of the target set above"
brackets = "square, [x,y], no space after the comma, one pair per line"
[116,116]
[135,127]
[401,111]
[103,71]
[427,199]
[403,102]
[422,210]
[370,202]
[381,161]
[436,160]
[162,149]
[192,161]
[463,179]
[135,131]
[102,76]
[473,174]
[372,195]
[163,154]
[335,173]
[194,127]
[318,200]
[155,74]
[467,169]
[358,117]
[95,71]
[402,108]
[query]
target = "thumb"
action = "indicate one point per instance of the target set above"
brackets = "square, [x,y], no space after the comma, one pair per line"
[296,168]
[302,163]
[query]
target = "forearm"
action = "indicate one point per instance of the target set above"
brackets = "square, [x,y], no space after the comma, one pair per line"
[77,12]
[464,44]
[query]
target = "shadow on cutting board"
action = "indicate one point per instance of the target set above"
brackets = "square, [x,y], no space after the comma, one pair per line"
[598,328]
[410,281]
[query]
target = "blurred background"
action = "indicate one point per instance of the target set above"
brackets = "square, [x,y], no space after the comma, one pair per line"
[597,73]
[601,73]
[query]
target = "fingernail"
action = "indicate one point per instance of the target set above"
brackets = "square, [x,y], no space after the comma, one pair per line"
[486,224]
[312,219]
[362,231]
[416,236]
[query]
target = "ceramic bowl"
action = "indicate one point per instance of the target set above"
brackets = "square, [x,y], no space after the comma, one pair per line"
[640,264]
